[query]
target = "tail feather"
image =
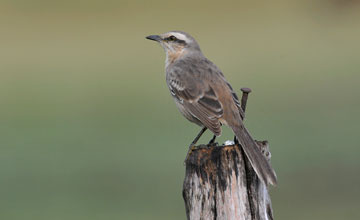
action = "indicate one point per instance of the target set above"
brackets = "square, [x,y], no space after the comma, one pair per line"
[258,161]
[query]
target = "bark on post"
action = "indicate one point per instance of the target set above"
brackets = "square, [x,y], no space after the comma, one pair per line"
[221,184]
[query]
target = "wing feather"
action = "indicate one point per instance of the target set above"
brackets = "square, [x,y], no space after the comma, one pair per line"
[197,97]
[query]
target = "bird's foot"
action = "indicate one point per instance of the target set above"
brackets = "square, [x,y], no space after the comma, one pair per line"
[212,141]
[191,149]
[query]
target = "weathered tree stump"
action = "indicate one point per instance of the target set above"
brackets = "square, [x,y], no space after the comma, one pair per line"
[221,184]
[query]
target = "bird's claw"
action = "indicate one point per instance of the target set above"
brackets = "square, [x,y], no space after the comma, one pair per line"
[191,149]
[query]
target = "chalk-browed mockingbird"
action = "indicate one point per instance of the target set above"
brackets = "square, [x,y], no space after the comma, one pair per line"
[205,98]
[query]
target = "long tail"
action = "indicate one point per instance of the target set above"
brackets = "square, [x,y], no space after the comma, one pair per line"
[258,161]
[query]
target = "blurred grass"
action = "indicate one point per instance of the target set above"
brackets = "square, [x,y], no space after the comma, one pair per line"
[89,131]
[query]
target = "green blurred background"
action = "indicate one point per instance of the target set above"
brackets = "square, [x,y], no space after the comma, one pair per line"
[89,130]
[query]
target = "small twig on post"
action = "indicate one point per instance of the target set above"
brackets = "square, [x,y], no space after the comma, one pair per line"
[221,184]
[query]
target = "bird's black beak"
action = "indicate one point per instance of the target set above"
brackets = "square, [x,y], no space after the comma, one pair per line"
[154,37]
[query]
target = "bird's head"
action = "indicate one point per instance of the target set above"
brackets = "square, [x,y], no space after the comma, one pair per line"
[176,44]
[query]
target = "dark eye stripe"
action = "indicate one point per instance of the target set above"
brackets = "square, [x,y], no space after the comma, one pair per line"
[174,39]
[180,41]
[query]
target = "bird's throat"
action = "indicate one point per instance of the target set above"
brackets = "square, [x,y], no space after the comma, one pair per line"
[173,55]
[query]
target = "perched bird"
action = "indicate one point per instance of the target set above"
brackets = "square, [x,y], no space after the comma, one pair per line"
[204,97]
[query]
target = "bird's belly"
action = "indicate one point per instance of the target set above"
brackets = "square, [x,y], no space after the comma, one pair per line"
[187,114]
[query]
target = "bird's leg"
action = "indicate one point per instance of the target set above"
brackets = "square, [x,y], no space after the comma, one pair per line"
[198,136]
[245,95]
[212,141]
[192,145]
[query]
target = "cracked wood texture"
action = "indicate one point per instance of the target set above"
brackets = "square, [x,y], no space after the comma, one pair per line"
[221,184]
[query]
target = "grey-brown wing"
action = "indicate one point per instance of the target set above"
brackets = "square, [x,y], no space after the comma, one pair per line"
[212,69]
[197,97]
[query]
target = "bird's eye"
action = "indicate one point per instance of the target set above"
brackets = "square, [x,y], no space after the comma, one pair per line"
[171,38]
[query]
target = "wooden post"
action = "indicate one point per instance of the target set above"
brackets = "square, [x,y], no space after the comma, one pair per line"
[220,183]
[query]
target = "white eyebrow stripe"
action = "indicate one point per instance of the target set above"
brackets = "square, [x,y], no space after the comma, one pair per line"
[180,36]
